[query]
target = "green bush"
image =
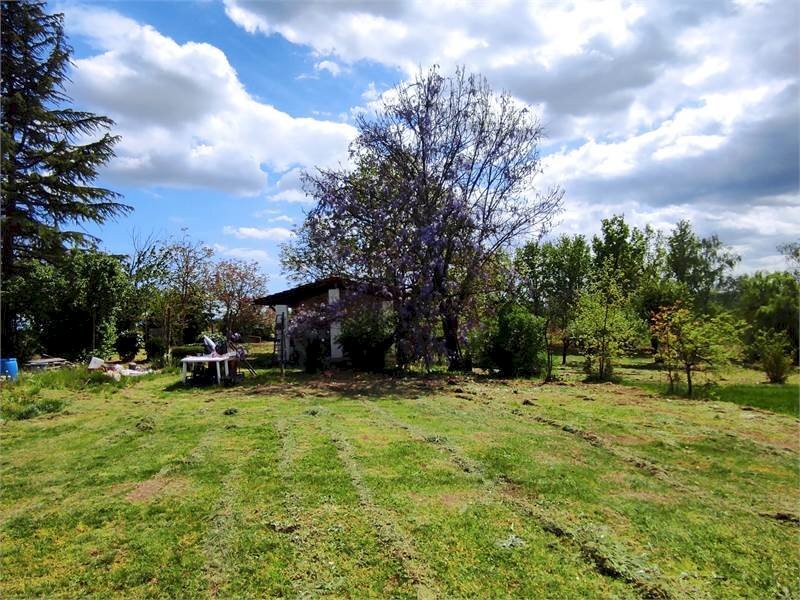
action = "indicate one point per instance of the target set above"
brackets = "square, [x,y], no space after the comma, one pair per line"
[514,344]
[128,344]
[179,352]
[773,351]
[366,338]
[155,349]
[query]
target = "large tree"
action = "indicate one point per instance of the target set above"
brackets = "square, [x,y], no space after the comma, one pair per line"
[51,153]
[72,307]
[551,277]
[619,250]
[701,264]
[442,182]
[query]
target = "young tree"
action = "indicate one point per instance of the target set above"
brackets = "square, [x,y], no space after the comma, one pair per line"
[604,326]
[187,297]
[442,183]
[568,264]
[551,277]
[773,351]
[693,341]
[47,166]
[236,283]
[147,270]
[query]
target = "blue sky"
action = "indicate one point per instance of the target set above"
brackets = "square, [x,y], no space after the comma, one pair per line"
[660,110]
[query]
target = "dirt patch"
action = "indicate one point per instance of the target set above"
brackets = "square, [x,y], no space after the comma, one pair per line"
[454,500]
[147,490]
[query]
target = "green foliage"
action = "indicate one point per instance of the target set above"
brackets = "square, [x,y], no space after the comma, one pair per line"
[695,341]
[128,344]
[19,405]
[33,395]
[70,308]
[513,343]
[155,348]
[366,336]
[701,265]
[604,327]
[179,352]
[620,250]
[769,302]
[773,351]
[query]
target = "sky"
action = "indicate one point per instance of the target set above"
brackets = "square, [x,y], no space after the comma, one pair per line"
[656,110]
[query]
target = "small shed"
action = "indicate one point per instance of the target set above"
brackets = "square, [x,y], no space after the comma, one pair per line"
[323,291]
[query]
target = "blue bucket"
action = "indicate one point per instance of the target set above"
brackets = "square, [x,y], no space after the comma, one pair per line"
[8,367]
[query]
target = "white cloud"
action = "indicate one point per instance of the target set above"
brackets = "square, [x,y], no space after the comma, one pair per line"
[185,118]
[329,66]
[261,256]
[371,93]
[282,219]
[274,234]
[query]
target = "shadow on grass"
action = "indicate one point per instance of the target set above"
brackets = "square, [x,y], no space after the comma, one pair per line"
[777,398]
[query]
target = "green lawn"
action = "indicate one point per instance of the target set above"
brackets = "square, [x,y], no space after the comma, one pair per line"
[373,486]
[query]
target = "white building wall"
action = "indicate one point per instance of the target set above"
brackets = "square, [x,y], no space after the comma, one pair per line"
[335,328]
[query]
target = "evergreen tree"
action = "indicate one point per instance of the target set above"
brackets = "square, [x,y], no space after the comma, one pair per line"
[50,152]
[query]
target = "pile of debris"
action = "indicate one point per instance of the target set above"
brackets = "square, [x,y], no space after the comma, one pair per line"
[46,362]
[116,371]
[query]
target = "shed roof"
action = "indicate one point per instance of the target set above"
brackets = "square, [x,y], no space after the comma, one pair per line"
[296,295]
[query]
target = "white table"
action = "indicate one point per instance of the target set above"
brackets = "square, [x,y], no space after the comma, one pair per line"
[220,359]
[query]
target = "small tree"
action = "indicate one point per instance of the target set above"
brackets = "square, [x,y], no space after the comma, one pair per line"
[186,302]
[774,354]
[605,326]
[693,341]
[236,283]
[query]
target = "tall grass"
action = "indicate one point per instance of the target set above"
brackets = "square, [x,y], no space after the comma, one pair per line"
[23,399]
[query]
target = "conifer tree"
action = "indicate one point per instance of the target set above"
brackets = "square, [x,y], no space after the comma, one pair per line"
[51,152]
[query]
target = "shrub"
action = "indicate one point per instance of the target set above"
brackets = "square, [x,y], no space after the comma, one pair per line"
[155,349]
[773,351]
[513,344]
[128,344]
[366,338]
[179,352]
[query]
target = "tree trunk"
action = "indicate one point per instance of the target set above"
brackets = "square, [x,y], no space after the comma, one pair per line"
[452,347]
[689,381]
[564,348]
[8,328]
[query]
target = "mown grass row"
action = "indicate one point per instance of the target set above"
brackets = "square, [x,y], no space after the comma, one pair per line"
[397,487]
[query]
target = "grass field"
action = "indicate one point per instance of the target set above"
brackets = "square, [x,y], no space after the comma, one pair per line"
[377,486]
